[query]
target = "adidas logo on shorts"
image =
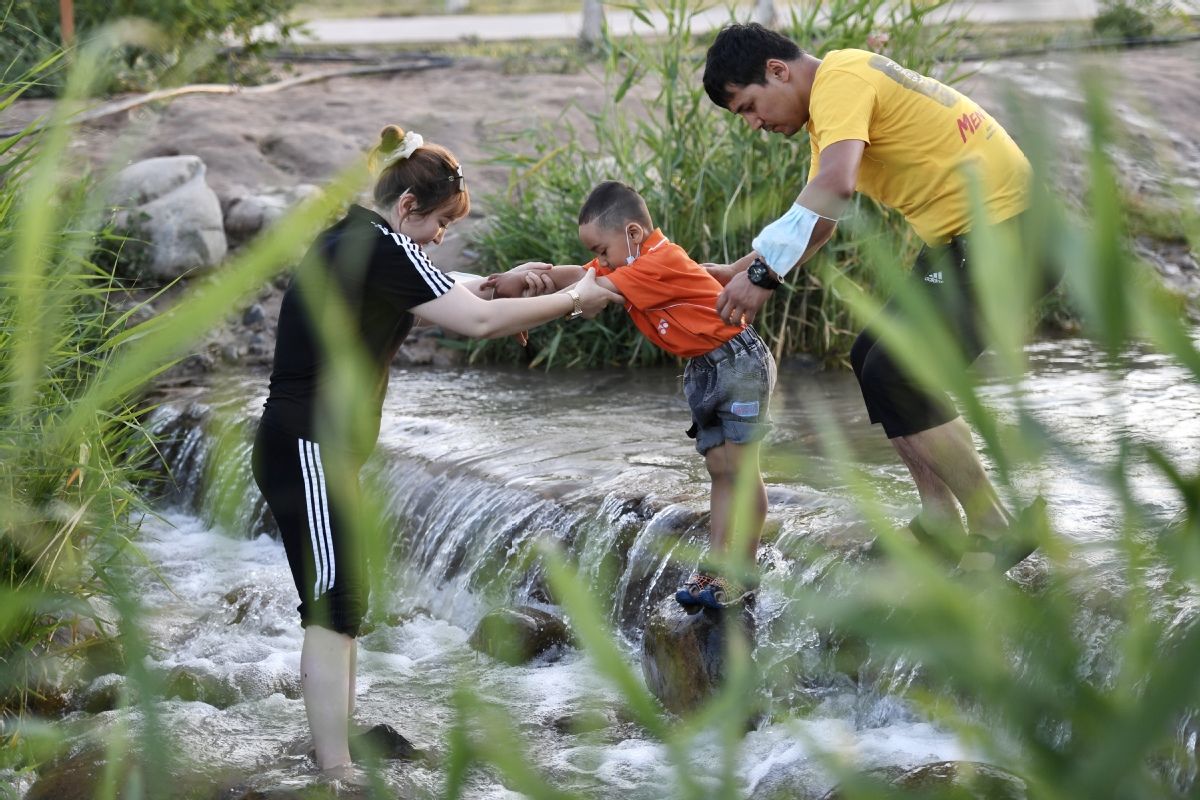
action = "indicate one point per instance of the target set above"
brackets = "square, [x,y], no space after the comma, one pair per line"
[935,277]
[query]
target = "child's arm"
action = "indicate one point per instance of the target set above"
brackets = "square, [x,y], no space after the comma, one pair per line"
[534,281]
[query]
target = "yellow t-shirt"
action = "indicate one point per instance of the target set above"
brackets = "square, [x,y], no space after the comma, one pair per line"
[921,138]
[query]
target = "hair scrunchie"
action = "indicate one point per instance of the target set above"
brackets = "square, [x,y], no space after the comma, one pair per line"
[408,145]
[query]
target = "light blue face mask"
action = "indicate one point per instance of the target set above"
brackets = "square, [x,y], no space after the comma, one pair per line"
[783,243]
[632,257]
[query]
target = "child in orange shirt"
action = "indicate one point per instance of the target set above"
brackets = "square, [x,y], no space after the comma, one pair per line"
[729,375]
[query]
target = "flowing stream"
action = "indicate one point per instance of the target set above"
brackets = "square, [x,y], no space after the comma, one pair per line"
[473,464]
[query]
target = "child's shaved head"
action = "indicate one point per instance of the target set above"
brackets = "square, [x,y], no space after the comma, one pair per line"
[612,204]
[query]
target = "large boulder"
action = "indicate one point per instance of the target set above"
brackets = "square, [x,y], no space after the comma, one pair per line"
[518,635]
[683,655]
[171,216]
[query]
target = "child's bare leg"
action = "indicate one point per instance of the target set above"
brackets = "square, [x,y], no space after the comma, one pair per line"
[325,678]
[738,500]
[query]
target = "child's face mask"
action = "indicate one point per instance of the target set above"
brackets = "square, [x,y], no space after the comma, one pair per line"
[633,255]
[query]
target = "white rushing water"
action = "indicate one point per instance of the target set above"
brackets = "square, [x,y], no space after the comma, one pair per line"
[223,612]
[407,674]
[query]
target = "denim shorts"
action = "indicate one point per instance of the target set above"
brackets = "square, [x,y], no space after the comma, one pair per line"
[729,391]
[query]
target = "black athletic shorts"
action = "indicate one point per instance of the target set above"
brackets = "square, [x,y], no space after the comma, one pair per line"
[894,399]
[328,565]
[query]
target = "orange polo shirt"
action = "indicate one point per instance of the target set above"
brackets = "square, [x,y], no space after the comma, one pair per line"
[671,298]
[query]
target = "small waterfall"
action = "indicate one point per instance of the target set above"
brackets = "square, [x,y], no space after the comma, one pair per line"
[451,524]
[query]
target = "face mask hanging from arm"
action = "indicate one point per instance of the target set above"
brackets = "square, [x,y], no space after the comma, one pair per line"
[784,242]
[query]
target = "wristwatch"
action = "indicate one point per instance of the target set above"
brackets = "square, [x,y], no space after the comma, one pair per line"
[577,311]
[760,274]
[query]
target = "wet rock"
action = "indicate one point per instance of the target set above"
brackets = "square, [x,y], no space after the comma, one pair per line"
[383,742]
[199,363]
[76,777]
[194,683]
[427,349]
[518,635]
[884,775]
[955,780]
[253,315]
[231,354]
[683,655]
[644,576]
[58,668]
[581,722]
[970,779]
[104,694]
[89,772]
[171,215]
[313,792]
[257,681]
[249,214]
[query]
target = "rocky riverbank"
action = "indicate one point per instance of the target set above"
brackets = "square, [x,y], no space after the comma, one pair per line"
[228,165]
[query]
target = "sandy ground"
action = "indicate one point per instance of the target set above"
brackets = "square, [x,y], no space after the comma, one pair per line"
[304,134]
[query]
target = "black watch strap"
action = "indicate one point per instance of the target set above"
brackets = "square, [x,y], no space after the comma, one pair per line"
[760,275]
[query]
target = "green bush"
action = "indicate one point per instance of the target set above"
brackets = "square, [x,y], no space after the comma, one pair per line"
[709,181]
[1122,19]
[30,32]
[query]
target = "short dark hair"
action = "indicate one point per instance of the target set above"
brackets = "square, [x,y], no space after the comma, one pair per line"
[612,204]
[738,57]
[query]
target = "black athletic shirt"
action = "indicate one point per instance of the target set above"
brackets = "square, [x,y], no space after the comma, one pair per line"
[380,274]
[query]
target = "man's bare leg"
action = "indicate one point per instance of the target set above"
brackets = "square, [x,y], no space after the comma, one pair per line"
[939,509]
[947,452]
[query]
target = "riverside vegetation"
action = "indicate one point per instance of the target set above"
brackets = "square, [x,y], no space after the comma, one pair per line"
[1002,663]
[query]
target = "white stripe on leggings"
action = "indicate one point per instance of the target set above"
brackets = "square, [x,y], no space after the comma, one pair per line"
[318,517]
[326,528]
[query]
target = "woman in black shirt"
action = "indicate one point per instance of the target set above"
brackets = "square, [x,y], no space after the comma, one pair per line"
[350,305]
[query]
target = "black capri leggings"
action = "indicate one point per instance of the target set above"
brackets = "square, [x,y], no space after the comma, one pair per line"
[893,398]
[315,524]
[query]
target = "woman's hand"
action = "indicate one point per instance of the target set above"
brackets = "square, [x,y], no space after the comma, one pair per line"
[592,296]
[527,280]
[531,266]
[537,283]
[507,284]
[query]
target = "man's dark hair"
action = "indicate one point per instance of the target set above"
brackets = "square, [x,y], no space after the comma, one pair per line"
[738,57]
[612,204]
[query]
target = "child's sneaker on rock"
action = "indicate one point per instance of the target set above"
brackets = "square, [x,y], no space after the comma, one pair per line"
[712,591]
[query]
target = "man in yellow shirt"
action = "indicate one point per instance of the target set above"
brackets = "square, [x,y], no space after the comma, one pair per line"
[911,143]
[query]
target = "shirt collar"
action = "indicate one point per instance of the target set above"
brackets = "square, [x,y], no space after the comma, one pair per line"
[654,241]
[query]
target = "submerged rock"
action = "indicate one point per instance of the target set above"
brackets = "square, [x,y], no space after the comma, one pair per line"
[383,742]
[196,683]
[518,635]
[91,771]
[961,780]
[683,655]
